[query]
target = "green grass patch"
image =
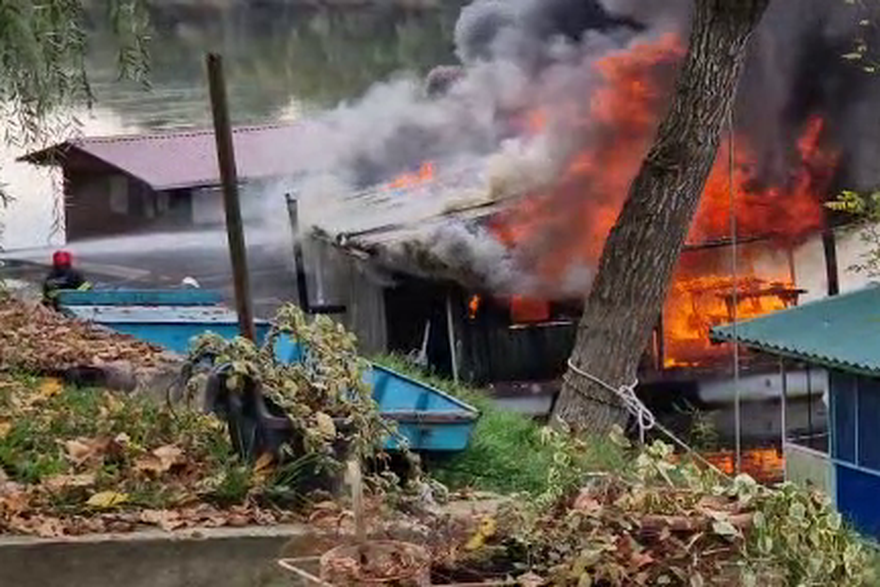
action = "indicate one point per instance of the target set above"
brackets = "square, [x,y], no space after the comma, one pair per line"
[507,452]
[54,437]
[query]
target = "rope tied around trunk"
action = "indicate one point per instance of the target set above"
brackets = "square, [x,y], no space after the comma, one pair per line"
[645,418]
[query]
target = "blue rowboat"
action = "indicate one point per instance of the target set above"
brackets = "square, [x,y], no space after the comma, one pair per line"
[427,418]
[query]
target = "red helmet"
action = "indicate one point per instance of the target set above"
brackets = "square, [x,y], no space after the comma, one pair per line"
[62,259]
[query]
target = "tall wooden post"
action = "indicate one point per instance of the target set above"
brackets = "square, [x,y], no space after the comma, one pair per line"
[229,181]
[298,258]
[784,410]
[829,244]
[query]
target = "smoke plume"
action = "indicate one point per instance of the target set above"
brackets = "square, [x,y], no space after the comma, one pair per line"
[525,59]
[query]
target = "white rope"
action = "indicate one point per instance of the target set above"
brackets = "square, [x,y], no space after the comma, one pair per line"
[645,419]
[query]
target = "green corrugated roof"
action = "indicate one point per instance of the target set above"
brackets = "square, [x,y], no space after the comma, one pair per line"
[842,332]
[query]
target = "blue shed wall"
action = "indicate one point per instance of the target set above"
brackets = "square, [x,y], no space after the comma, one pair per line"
[857,493]
[855,449]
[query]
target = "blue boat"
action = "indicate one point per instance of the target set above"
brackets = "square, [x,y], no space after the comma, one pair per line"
[427,418]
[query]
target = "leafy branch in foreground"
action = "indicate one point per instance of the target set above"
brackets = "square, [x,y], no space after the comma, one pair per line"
[324,395]
[663,523]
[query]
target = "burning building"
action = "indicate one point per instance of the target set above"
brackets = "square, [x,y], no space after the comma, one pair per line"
[499,186]
[463,221]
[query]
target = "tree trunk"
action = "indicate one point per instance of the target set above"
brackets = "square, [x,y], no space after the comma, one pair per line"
[643,247]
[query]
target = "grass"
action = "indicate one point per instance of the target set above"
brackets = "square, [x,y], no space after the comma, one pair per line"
[116,436]
[506,453]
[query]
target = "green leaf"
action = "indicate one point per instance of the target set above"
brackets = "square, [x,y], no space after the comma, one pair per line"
[835,521]
[759,520]
[724,528]
[765,544]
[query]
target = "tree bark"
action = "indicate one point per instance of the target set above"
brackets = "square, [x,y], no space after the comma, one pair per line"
[643,247]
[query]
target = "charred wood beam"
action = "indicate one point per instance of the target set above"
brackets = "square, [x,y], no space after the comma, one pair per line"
[829,243]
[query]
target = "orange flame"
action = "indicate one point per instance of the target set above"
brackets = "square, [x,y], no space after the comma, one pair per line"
[564,226]
[525,310]
[425,174]
[702,296]
[474,306]
[766,465]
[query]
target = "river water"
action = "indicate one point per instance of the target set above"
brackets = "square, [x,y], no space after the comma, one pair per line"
[282,61]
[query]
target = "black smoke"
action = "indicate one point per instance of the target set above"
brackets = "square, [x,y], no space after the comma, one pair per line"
[796,71]
[524,29]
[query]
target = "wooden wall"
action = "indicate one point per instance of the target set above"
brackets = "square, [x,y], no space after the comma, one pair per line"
[101,204]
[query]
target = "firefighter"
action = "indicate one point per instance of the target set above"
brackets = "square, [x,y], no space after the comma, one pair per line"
[62,277]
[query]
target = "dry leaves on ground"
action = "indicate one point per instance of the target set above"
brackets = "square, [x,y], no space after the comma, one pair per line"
[41,340]
[160,460]
[89,461]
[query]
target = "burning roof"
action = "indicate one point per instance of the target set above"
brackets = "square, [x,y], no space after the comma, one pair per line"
[492,222]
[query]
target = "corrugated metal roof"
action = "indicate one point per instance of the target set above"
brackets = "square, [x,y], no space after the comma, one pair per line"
[185,159]
[841,332]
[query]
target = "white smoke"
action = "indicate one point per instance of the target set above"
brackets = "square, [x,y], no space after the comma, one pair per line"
[515,55]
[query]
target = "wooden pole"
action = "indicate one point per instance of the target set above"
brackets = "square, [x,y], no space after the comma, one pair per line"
[229,181]
[783,412]
[829,244]
[298,257]
[450,328]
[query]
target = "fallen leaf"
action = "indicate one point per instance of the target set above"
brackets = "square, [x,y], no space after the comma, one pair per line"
[530,580]
[168,520]
[586,503]
[238,520]
[724,528]
[59,482]
[160,460]
[640,559]
[488,526]
[263,467]
[121,526]
[169,456]
[107,499]
[13,500]
[80,450]
[148,464]
[50,387]
[325,425]
[5,428]
[47,527]
[487,529]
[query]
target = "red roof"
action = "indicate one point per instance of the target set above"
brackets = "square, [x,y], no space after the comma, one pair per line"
[182,159]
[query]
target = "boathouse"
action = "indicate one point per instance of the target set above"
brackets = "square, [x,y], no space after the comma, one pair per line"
[162,181]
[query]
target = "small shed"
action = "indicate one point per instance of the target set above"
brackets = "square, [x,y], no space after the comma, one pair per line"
[841,335]
[162,181]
